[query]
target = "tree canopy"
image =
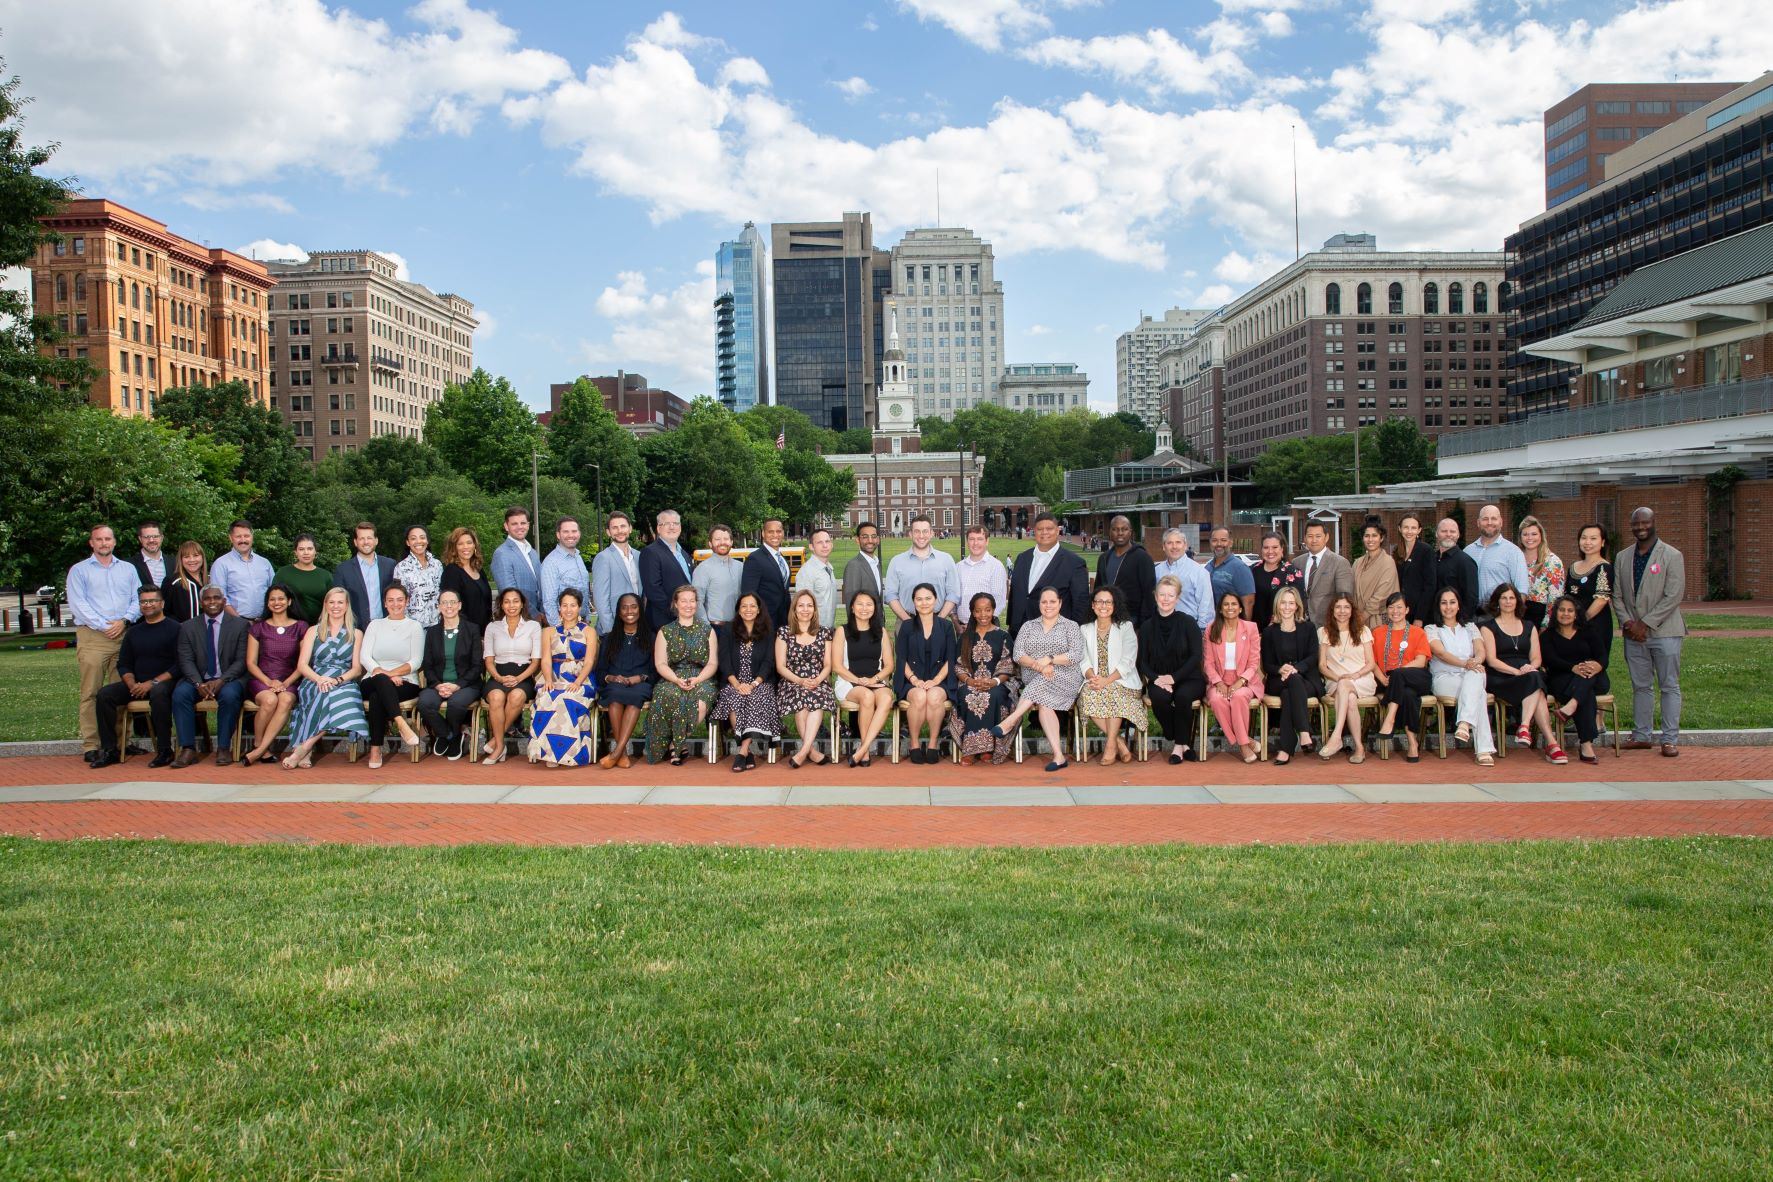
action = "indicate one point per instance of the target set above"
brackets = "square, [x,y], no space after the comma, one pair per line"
[485,432]
[1018,444]
[583,437]
[1394,452]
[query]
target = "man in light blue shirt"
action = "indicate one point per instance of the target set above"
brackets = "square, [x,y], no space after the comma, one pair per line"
[1498,560]
[243,576]
[921,564]
[1196,599]
[516,564]
[981,570]
[817,577]
[102,599]
[564,567]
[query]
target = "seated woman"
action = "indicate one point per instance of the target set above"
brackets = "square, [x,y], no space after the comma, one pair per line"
[748,702]
[513,650]
[686,657]
[560,725]
[1345,657]
[1290,663]
[923,671]
[329,701]
[1511,650]
[1169,661]
[625,676]
[273,652]
[983,690]
[1400,666]
[1574,651]
[1051,651]
[1457,672]
[453,658]
[803,662]
[863,662]
[1110,694]
[1233,664]
[393,650]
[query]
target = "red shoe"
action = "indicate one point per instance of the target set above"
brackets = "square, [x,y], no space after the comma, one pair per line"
[1555,754]
[1524,737]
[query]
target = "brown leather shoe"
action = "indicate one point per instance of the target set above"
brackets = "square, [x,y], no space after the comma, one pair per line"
[184,759]
[223,759]
[1670,750]
[1639,745]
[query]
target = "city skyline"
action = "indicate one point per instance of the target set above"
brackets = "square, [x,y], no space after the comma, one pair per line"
[1120,158]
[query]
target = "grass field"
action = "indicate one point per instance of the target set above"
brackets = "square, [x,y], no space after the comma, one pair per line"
[844,549]
[1493,1012]
[1699,622]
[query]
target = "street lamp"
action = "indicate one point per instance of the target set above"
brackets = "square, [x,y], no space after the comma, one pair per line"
[599,530]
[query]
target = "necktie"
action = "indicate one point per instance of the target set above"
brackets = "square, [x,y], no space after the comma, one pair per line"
[782,565]
[214,623]
[1310,573]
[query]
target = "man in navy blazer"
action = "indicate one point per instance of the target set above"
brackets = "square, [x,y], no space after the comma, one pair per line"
[1059,568]
[664,567]
[766,573]
[364,576]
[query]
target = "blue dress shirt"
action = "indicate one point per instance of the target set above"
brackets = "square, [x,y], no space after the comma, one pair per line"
[243,581]
[99,593]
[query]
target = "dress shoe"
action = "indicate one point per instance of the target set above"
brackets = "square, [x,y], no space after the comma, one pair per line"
[89,756]
[161,759]
[184,759]
[106,759]
[458,748]
[1670,750]
[223,759]
[1639,745]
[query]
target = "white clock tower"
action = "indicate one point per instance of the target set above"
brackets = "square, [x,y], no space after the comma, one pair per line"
[897,403]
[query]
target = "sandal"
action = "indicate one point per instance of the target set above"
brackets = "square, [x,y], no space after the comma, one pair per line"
[1486,760]
[1555,754]
[676,759]
[624,762]
[1523,737]
[1126,754]
[291,763]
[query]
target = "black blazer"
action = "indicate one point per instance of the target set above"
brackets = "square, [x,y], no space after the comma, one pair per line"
[181,598]
[230,649]
[470,662]
[349,576]
[1416,579]
[763,662]
[1137,580]
[476,597]
[1175,650]
[762,578]
[1066,573]
[141,567]
[659,577]
[1455,568]
[923,655]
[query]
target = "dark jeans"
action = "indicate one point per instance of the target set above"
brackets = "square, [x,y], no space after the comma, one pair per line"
[1407,688]
[114,697]
[1567,687]
[444,719]
[1295,715]
[381,703]
[1175,709]
[227,715]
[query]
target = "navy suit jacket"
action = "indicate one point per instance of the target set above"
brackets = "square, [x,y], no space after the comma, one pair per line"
[1065,572]
[230,648]
[350,576]
[763,578]
[660,575]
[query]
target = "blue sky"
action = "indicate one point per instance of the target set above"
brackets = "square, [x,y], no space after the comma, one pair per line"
[571,168]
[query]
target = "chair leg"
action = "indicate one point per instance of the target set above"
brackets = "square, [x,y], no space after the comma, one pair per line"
[1440,726]
[896,713]
[1261,709]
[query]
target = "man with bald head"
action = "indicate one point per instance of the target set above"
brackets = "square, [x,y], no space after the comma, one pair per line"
[1498,560]
[1129,567]
[1650,579]
[1453,568]
[1229,572]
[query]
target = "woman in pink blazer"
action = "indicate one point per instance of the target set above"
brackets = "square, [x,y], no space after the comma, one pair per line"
[1233,665]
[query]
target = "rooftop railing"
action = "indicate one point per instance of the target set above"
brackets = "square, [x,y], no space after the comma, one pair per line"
[1727,400]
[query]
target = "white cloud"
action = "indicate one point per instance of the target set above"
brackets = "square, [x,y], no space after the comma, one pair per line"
[266,249]
[1275,24]
[239,90]
[1155,60]
[669,30]
[401,270]
[1213,296]
[1238,269]
[668,335]
[1038,330]
[488,325]
[210,200]
[986,23]
[855,87]
[744,71]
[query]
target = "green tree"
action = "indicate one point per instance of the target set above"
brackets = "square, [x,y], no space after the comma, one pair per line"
[1295,468]
[707,469]
[810,489]
[381,456]
[485,432]
[1396,452]
[765,422]
[583,433]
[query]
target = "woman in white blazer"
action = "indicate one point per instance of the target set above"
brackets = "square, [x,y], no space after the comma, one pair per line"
[1111,692]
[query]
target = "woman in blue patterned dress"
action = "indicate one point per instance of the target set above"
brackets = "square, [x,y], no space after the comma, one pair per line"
[329,701]
[685,655]
[625,676]
[560,724]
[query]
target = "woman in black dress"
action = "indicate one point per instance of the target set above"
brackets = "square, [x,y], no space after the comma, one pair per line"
[1290,671]
[862,660]
[1511,655]
[1590,584]
[1576,671]
[1415,570]
[464,572]
[923,672]
[1271,574]
[625,675]
[748,679]
[1170,663]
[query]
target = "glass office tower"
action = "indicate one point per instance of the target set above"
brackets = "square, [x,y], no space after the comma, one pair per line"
[741,347]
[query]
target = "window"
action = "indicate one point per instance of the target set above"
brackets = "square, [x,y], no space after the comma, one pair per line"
[1568,148]
[79,245]
[1333,300]
[1363,300]
[61,288]
[1723,363]
[80,324]
[1394,299]
[1659,373]
[1612,108]
[1653,107]
[1455,299]
[1431,299]
[1573,119]
[1605,385]
[1480,298]
[1567,173]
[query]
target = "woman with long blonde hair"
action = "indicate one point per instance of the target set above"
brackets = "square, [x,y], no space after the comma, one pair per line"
[1545,571]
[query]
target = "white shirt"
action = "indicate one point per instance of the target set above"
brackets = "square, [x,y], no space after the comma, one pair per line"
[1038,564]
[502,648]
[1231,656]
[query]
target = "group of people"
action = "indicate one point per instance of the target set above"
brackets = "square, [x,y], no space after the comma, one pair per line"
[969,646]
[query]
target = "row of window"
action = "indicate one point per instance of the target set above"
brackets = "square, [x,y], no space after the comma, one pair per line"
[1431,298]
[893,486]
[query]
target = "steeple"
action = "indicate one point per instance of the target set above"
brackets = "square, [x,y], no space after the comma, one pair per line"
[1163,435]
[898,406]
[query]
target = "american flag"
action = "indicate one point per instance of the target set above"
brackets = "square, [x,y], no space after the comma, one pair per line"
[781,439]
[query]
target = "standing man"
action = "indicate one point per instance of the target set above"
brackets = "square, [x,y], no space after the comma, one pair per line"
[1130,568]
[862,573]
[664,567]
[148,664]
[1326,573]
[150,564]
[817,575]
[1197,600]
[1230,573]
[766,573]
[364,575]
[564,567]
[1650,580]
[921,564]
[212,668]
[1498,560]
[616,572]
[716,578]
[516,564]
[243,576]
[1453,568]
[102,600]
[981,570]
[1048,565]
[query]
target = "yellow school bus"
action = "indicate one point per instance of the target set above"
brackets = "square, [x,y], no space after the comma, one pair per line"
[795,555]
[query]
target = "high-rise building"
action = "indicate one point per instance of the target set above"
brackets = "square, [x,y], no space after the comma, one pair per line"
[149,309]
[952,305]
[1704,177]
[1603,117]
[356,351]
[741,322]
[828,283]
[1136,381]
[1338,339]
[1045,387]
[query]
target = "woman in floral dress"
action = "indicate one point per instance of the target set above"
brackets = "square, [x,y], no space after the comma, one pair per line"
[748,681]
[422,575]
[803,660]
[560,723]
[1591,585]
[686,657]
[1545,572]
[1051,651]
[1111,690]
[984,684]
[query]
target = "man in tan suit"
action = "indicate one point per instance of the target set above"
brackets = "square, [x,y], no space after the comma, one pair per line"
[1326,572]
[1650,579]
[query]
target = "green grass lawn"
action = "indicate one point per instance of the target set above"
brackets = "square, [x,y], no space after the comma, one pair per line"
[39,695]
[1696,622]
[844,549]
[1491,1012]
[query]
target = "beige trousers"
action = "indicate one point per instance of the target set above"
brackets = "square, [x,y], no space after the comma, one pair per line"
[97,657]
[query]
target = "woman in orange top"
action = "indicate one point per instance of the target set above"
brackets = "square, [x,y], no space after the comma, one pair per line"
[1232,662]
[1400,666]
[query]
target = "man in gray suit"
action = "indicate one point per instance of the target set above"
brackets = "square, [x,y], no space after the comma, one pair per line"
[862,573]
[1327,573]
[1650,580]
